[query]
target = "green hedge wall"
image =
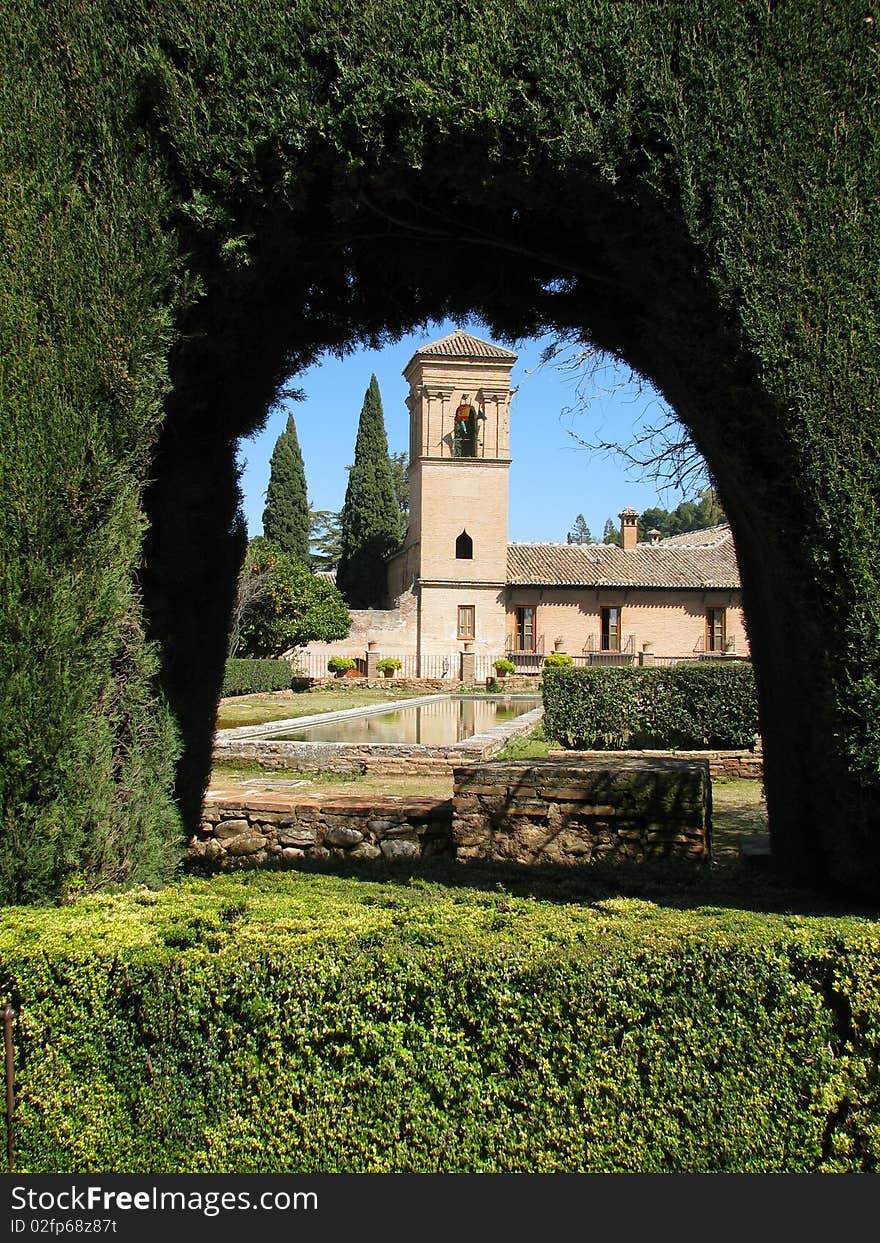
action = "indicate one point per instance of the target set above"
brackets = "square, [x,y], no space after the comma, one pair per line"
[323,1025]
[685,706]
[246,677]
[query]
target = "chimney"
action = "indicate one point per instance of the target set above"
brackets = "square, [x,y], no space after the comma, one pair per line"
[629,529]
[654,535]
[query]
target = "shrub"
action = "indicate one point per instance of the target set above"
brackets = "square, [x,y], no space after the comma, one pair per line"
[341,664]
[503,666]
[711,705]
[313,1024]
[389,664]
[247,677]
[557,660]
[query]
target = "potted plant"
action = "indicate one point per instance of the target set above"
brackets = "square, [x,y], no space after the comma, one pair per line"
[557,660]
[387,665]
[340,665]
[503,666]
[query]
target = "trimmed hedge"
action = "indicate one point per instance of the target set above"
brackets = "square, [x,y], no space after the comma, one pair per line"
[685,706]
[316,1024]
[247,677]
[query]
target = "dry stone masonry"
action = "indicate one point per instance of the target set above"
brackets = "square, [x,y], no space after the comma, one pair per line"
[574,811]
[264,830]
[561,811]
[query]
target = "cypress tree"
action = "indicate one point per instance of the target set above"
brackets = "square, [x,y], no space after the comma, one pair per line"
[286,516]
[370,514]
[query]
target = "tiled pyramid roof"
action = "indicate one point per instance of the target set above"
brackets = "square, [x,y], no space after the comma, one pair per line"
[460,344]
[707,563]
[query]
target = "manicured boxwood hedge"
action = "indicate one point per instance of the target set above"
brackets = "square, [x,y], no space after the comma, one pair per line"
[247,677]
[311,1023]
[711,705]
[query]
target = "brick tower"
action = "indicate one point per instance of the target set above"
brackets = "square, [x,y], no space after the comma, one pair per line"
[454,557]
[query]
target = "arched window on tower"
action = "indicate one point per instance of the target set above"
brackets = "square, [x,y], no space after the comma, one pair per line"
[464,547]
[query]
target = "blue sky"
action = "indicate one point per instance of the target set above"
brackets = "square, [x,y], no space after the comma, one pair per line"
[552,478]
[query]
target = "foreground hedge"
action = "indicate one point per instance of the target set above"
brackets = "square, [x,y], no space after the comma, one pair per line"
[709,704]
[247,677]
[303,1024]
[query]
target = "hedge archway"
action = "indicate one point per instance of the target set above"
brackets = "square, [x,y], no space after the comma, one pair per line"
[201,198]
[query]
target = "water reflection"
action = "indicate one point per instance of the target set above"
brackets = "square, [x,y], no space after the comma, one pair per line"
[435,724]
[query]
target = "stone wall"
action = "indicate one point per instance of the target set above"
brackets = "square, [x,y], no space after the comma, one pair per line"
[259,830]
[577,810]
[525,812]
[723,765]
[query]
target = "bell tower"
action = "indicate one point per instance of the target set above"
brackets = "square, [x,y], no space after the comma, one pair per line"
[456,546]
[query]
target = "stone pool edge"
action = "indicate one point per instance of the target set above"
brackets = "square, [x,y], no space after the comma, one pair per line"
[388,758]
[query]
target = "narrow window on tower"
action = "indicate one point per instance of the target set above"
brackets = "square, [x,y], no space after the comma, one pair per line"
[464,547]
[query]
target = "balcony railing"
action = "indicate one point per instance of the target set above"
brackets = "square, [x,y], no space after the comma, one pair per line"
[595,654]
[728,648]
[525,658]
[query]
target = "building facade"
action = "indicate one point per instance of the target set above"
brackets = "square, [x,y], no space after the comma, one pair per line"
[456,584]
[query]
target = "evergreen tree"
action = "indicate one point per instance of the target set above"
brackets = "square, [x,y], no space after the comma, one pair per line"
[400,479]
[688,516]
[286,516]
[370,514]
[326,539]
[580,532]
[610,533]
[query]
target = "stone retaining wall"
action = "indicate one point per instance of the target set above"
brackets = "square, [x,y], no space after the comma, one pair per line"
[723,765]
[257,831]
[573,810]
[526,812]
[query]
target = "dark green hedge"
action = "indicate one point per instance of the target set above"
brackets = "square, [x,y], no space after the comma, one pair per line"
[711,705]
[247,677]
[297,1028]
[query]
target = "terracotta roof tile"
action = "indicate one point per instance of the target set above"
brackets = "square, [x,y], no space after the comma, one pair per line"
[460,344]
[669,564]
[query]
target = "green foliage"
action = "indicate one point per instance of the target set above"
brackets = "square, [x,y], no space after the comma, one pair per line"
[503,666]
[557,660]
[533,746]
[688,516]
[610,532]
[390,663]
[400,479]
[296,607]
[326,539]
[196,204]
[580,532]
[314,1024]
[286,516]
[711,704]
[341,664]
[371,514]
[248,677]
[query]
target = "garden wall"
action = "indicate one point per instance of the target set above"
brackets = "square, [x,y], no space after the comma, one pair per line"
[576,810]
[548,811]
[723,765]
[258,831]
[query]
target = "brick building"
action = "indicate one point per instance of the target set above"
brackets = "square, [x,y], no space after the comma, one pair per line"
[457,584]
